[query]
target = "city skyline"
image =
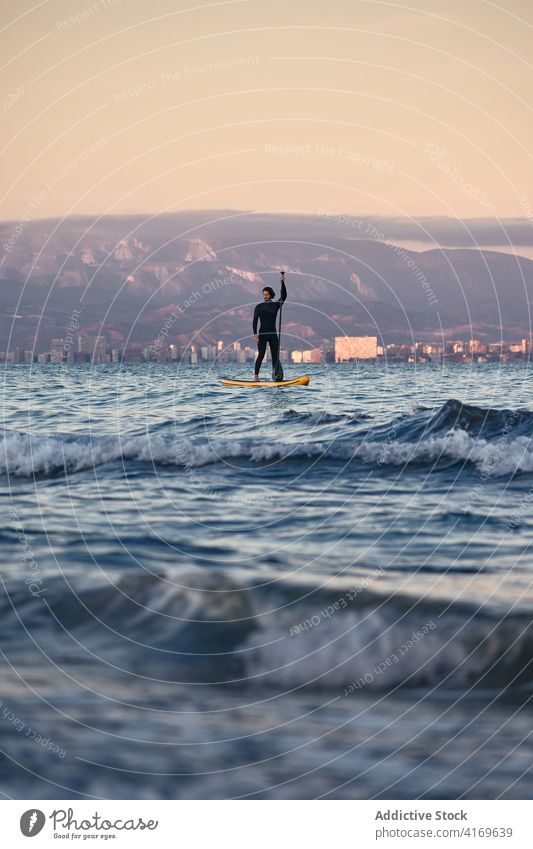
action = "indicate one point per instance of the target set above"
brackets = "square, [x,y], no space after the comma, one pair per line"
[96,351]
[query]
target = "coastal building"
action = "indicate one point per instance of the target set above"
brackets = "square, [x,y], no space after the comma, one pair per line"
[92,349]
[57,351]
[312,355]
[349,348]
[477,347]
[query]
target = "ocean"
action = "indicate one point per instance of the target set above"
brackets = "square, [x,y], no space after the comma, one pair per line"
[300,593]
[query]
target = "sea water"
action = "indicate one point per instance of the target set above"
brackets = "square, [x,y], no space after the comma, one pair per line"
[307,592]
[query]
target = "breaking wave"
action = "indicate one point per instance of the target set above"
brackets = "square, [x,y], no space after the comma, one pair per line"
[209,627]
[496,442]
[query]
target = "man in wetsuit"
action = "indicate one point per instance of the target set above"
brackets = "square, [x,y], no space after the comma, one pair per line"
[266,314]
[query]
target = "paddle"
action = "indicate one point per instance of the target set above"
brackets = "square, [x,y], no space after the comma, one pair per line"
[277,370]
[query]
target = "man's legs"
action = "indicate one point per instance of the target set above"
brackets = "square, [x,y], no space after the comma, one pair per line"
[273,340]
[261,351]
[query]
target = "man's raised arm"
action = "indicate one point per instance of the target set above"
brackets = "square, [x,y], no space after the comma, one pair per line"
[283,293]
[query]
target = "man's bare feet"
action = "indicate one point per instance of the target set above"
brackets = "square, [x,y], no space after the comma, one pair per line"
[256,377]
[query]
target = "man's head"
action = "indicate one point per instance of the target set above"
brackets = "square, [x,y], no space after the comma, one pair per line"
[268,293]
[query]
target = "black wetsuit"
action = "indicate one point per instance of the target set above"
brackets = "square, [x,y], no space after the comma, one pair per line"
[267,313]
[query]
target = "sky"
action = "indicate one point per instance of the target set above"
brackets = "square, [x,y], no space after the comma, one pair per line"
[396,109]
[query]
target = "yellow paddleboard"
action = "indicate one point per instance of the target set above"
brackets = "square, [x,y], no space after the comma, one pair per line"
[298,381]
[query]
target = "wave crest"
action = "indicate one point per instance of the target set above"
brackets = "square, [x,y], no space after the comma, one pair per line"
[212,627]
[497,442]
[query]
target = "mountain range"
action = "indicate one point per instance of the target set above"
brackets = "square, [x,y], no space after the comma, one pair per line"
[126,275]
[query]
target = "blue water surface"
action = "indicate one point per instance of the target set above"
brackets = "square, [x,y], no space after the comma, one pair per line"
[307,592]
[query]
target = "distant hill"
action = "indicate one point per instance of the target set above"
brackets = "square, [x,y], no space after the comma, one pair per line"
[128,273]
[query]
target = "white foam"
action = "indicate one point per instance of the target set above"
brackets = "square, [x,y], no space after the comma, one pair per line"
[23,455]
[379,649]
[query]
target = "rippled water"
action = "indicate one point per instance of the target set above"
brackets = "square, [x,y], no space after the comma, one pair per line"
[214,592]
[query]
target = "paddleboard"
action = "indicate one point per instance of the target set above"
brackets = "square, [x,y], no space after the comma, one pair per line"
[298,381]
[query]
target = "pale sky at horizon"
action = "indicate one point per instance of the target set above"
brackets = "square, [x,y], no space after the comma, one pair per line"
[384,108]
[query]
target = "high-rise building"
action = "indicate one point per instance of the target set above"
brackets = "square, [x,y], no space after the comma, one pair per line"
[355,348]
[100,351]
[477,347]
[312,355]
[86,344]
[57,351]
[92,348]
